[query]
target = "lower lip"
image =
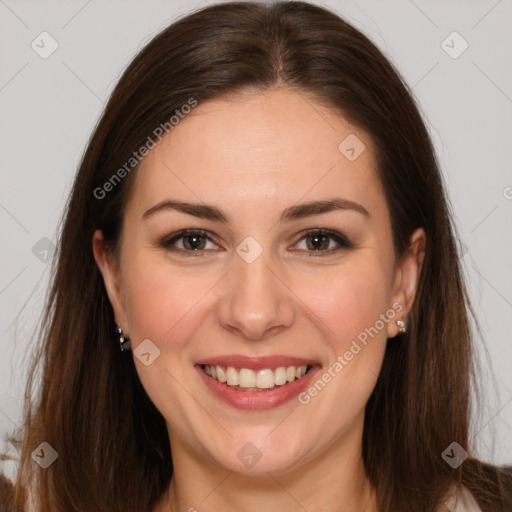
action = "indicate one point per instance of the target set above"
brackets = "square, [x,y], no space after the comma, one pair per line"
[258,400]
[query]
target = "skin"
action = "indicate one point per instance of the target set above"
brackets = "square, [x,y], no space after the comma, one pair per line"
[260,153]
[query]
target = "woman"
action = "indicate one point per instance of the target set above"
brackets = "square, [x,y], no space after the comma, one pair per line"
[257,299]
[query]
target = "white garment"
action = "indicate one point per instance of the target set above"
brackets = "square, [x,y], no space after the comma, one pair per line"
[463,502]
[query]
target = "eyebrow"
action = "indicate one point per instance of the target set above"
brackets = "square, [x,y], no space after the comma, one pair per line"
[294,212]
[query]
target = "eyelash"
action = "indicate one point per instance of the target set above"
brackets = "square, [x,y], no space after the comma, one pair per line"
[342,241]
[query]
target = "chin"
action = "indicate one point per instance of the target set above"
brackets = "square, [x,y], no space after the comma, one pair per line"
[259,459]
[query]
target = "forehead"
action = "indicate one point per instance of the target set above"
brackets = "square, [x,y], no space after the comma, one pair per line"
[274,146]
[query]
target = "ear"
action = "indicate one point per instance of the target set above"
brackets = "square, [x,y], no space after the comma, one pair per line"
[406,279]
[110,271]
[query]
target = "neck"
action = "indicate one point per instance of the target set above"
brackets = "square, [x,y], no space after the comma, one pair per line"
[333,481]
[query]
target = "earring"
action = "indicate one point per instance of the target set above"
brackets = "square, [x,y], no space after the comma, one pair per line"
[124,343]
[401,325]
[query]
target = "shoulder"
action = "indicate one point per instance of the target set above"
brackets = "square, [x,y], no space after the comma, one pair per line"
[8,466]
[7,495]
[7,501]
[460,500]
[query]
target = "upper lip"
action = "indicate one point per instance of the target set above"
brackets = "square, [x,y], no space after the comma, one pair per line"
[255,363]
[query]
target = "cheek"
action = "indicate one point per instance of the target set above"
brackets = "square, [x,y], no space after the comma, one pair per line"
[350,304]
[165,305]
[349,300]
[163,302]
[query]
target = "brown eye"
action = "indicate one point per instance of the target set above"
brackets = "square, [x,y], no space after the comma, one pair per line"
[318,242]
[188,241]
[321,241]
[194,242]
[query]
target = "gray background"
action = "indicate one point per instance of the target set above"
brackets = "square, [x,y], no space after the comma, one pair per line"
[48,108]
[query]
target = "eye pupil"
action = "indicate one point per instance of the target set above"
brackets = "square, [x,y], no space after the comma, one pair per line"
[318,241]
[194,241]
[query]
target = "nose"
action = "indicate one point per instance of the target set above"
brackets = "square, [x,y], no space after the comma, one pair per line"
[256,302]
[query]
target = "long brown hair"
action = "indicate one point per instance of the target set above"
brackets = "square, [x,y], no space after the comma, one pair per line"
[112,444]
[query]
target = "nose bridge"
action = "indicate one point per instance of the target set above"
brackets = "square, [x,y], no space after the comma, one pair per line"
[256,302]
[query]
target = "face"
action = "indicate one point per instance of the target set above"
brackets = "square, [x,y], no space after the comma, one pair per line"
[287,265]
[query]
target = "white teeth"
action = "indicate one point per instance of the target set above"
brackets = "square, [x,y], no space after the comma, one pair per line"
[221,374]
[247,378]
[266,378]
[280,376]
[232,376]
[300,371]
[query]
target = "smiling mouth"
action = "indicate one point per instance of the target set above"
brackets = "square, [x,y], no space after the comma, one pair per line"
[246,379]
